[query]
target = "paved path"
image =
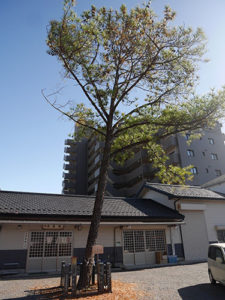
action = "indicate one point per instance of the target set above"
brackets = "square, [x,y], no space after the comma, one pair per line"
[189,282]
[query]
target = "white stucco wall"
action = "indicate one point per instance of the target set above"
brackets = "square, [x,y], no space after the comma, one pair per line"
[15,236]
[195,235]
[198,230]
[215,215]
[12,237]
[211,214]
[105,236]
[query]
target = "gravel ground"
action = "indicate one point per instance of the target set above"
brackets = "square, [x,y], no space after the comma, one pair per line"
[188,282]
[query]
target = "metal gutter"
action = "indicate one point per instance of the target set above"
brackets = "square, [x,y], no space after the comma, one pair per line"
[88,223]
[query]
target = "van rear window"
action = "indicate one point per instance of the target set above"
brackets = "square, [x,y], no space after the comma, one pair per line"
[212,252]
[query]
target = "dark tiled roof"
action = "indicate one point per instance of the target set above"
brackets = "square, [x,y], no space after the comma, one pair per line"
[182,191]
[27,204]
[215,181]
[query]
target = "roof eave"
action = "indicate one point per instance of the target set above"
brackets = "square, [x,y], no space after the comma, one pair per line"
[59,218]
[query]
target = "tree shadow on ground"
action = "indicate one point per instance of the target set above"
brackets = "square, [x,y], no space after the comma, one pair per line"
[58,293]
[204,291]
[29,276]
[24,298]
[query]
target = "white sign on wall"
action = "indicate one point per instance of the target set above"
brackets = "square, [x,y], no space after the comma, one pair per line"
[25,241]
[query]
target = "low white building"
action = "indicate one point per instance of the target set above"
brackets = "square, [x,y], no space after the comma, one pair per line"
[204,212]
[39,231]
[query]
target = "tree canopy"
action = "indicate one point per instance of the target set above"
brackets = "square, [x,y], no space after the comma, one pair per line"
[114,55]
[138,74]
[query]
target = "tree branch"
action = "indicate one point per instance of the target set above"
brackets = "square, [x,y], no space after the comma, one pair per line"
[53,104]
[143,106]
[138,79]
[66,64]
[97,93]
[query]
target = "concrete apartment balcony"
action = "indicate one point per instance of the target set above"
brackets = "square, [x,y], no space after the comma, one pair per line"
[69,191]
[70,149]
[69,175]
[125,168]
[136,172]
[132,191]
[174,158]
[169,142]
[67,184]
[91,169]
[92,186]
[91,177]
[94,162]
[69,142]
[69,167]
[70,157]
[137,157]
[148,170]
[91,156]
[91,142]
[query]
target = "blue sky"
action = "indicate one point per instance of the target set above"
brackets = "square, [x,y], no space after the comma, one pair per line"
[31,133]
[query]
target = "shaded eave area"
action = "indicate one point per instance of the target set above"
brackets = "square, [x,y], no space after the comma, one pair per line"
[86,219]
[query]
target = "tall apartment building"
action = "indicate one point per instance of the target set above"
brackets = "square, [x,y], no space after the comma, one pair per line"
[82,163]
[206,154]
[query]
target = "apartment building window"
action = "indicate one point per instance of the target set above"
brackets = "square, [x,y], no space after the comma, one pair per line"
[190,153]
[211,141]
[187,136]
[214,156]
[218,172]
[194,170]
[207,170]
[203,153]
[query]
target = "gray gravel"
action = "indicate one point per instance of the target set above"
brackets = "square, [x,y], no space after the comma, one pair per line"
[188,282]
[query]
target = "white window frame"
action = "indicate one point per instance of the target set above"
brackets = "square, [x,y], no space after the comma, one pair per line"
[211,141]
[218,172]
[190,153]
[187,136]
[151,240]
[194,170]
[213,156]
[46,244]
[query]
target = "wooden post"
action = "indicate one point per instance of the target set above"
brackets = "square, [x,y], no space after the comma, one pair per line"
[108,277]
[81,271]
[67,278]
[100,277]
[93,275]
[74,279]
[62,280]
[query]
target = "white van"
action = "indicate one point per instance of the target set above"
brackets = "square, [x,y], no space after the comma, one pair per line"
[216,263]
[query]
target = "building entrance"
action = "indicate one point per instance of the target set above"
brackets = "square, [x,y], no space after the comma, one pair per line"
[47,249]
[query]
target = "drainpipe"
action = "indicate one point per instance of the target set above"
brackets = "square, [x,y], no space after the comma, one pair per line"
[181,235]
[171,240]
[116,227]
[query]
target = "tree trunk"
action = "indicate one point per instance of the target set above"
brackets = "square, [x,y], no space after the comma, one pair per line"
[84,280]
